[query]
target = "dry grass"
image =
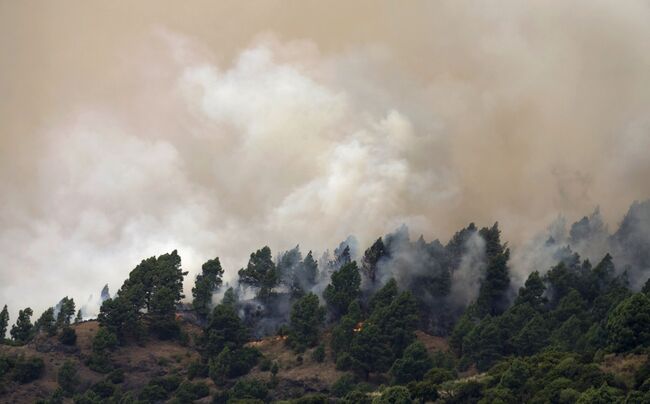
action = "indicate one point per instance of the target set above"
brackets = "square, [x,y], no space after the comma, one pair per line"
[623,366]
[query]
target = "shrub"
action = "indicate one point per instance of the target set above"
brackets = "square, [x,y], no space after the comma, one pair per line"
[255,389]
[394,395]
[116,376]
[28,370]
[343,361]
[343,385]
[169,383]
[68,377]
[68,336]
[153,393]
[104,389]
[197,369]
[188,392]
[265,364]
[319,354]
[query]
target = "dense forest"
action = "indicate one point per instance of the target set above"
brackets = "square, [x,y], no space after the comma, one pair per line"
[574,331]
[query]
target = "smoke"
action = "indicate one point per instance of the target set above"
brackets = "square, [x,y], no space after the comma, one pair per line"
[137,140]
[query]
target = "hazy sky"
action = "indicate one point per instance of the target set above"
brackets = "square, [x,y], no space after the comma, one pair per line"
[128,129]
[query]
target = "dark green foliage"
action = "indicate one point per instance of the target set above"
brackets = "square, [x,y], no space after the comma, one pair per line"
[311,399]
[394,395]
[224,329]
[46,322]
[343,361]
[532,337]
[628,325]
[251,389]
[492,297]
[342,333]
[206,284]
[318,355]
[28,370]
[168,383]
[384,296]
[265,364]
[412,366]
[116,376]
[371,258]
[156,285]
[437,375]
[68,377]
[357,397]
[152,393]
[66,312]
[121,317]
[370,351]
[343,289]
[188,392]
[103,389]
[78,318]
[103,343]
[197,369]
[307,316]
[483,344]
[219,367]
[68,336]
[601,395]
[344,385]
[22,331]
[533,292]
[4,323]
[232,363]
[229,297]
[260,273]
[89,397]
[423,392]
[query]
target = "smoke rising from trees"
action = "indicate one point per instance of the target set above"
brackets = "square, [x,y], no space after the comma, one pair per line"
[299,136]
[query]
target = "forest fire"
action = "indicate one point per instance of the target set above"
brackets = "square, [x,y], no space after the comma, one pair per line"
[358,327]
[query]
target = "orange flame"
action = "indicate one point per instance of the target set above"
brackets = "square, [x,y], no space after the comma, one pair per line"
[358,327]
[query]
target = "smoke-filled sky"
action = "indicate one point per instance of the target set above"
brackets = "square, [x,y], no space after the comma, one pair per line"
[129,129]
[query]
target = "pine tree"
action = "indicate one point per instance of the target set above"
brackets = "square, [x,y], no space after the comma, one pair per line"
[4,323]
[46,322]
[343,288]
[260,273]
[207,283]
[22,330]
[66,312]
[492,297]
[371,259]
[306,318]
[533,292]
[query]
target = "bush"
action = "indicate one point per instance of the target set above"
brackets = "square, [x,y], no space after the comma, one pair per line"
[394,395]
[319,354]
[169,383]
[28,370]
[357,397]
[265,364]
[197,369]
[116,376]
[188,392]
[68,377]
[104,389]
[311,399]
[153,393]
[68,336]
[89,397]
[343,361]
[343,385]
[255,389]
